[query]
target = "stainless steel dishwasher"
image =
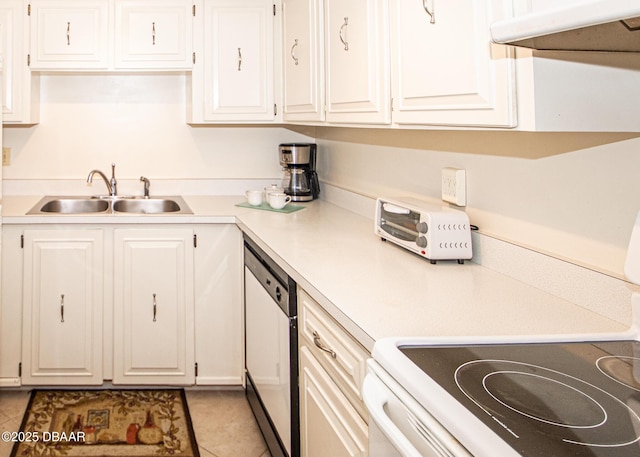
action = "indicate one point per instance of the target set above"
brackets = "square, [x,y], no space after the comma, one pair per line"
[271,350]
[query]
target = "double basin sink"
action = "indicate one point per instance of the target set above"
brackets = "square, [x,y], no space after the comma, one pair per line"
[100,205]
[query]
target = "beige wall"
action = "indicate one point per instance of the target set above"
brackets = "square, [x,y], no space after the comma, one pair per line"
[138,122]
[574,196]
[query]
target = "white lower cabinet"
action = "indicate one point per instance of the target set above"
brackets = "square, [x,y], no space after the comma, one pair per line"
[156,304]
[153,306]
[333,418]
[63,300]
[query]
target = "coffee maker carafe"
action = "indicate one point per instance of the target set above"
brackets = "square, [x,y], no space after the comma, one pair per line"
[299,179]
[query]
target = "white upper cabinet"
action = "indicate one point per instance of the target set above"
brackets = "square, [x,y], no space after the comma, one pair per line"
[69,34]
[111,34]
[19,96]
[357,61]
[303,56]
[152,34]
[233,77]
[445,71]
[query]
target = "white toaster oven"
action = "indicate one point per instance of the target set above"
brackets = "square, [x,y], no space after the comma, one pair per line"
[431,231]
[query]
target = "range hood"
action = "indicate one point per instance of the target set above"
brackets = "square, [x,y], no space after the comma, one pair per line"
[596,25]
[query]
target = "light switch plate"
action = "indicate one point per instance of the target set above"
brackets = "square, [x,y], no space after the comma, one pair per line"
[454,188]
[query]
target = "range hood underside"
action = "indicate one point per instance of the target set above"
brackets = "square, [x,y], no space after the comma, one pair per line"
[612,36]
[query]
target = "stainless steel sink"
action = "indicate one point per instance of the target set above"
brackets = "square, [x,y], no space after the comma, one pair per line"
[64,205]
[148,206]
[95,205]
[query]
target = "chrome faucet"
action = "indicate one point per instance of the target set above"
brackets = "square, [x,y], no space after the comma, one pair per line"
[147,183]
[111,184]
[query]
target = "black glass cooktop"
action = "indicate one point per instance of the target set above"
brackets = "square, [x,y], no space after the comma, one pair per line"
[546,399]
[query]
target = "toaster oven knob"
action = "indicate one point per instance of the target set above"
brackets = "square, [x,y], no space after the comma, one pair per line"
[421,241]
[422,227]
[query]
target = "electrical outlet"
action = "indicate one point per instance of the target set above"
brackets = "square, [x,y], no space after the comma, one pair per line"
[454,188]
[6,156]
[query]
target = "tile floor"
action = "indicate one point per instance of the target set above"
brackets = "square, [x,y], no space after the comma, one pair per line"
[223,422]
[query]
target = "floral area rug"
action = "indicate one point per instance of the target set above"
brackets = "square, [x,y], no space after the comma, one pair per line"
[106,423]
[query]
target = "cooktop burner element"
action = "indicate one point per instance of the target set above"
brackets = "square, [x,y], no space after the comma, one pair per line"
[625,370]
[553,399]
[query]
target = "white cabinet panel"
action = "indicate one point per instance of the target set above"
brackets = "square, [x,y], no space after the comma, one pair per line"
[236,82]
[356,37]
[62,322]
[303,55]
[446,71]
[153,34]
[19,97]
[153,306]
[69,34]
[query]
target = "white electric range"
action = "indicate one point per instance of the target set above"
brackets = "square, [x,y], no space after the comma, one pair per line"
[572,395]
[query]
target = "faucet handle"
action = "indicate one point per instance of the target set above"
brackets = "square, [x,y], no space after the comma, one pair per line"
[113,170]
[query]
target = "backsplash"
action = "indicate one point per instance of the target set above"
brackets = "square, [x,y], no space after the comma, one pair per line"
[595,291]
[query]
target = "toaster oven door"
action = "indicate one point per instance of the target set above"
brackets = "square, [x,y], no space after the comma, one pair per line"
[399,222]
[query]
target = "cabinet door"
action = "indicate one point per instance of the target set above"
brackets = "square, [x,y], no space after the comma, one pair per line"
[153,306]
[328,423]
[356,36]
[303,55]
[238,60]
[69,34]
[218,305]
[445,70]
[156,34]
[62,320]
[16,77]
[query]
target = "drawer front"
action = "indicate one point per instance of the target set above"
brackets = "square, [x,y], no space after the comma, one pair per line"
[337,351]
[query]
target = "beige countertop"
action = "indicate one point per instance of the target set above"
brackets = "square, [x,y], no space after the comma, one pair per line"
[374,289]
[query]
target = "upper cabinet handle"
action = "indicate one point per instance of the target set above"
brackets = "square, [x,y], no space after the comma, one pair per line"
[153,33]
[62,308]
[155,307]
[432,13]
[68,33]
[293,56]
[343,38]
[239,59]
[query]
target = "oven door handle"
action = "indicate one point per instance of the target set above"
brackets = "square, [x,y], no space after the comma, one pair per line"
[375,396]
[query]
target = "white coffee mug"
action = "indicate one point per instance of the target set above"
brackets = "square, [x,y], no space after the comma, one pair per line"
[254,197]
[272,188]
[278,200]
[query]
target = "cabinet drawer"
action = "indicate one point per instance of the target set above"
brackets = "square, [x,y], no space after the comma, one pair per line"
[341,355]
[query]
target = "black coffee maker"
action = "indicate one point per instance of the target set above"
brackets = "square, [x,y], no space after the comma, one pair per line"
[299,179]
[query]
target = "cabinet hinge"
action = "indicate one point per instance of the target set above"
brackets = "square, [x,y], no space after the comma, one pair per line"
[21,241]
[195,240]
[196,369]
[20,369]
[193,10]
